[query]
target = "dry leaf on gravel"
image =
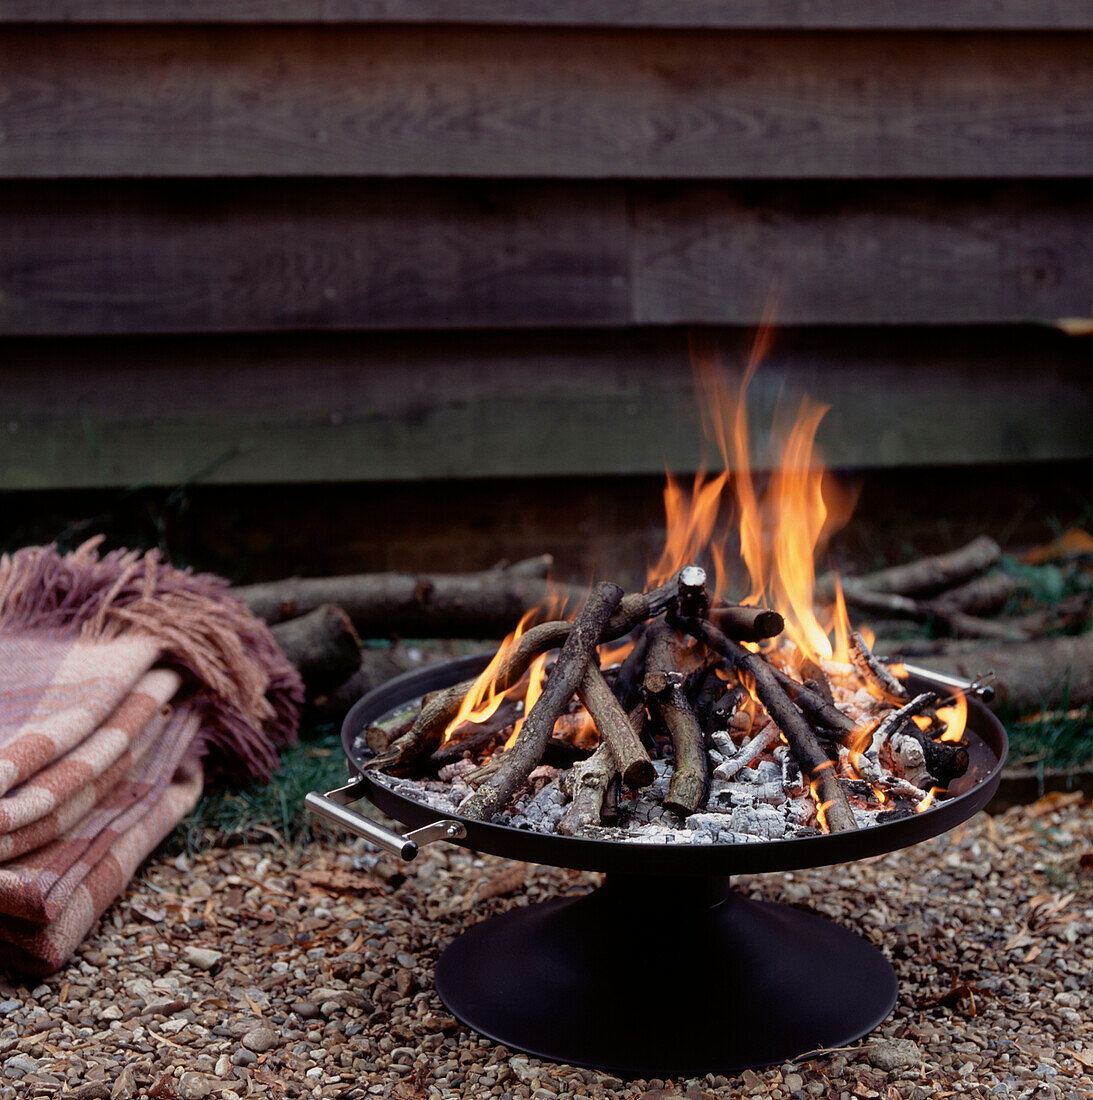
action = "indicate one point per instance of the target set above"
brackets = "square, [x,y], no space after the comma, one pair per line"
[341,881]
[506,882]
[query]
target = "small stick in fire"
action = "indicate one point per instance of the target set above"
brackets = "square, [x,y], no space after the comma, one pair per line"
[477,737]
[564,679]
[631,759]
[814,762]
[427,732]
[871,669]
[668,665]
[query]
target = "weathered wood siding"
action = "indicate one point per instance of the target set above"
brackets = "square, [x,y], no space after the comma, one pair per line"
[278,240]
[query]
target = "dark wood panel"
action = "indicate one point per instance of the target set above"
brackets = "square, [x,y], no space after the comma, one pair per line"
[127,258]
[98,258]
[397,408]
[776,14]
[533,102]
[861,254]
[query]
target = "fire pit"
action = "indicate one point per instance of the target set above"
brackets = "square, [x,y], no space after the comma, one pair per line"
[741,983]
[748,739]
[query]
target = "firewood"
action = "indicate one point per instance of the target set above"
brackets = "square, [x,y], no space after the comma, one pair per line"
[1052,672]
[747,624]
[981,595]
[924,576]
[586,784]
[815,679]
[815,707]
[632,760]
[561,683]
[627,686]
[956,622]
[691,594]
[426,733]
[814,762]
[460,605]
[322,645]
[669,664]
[873,671]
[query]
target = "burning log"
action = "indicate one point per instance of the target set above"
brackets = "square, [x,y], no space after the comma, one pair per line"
[944,760]
[924,576]
[586,784]
[872,670]
[425,735]
[563,680]
[814,762]
[750,751]
[746,624]
[819,711]
[477,736]
[427,731]
[631,759]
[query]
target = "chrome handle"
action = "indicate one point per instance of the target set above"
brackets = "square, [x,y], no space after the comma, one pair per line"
[983,686]
[335,807]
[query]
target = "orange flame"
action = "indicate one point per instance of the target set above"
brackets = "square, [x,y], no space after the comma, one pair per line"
[955,717]
[536,676]
[928,801]
[484,697]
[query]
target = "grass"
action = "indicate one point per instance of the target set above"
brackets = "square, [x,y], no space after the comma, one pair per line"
[1060,740]
[229,815]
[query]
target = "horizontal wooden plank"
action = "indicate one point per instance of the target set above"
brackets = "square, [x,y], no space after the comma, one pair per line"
[538,102]
[399,408]
[732,14]
[85,258]
[864,254]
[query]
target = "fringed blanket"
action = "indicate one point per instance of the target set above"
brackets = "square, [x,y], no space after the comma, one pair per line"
[121,680]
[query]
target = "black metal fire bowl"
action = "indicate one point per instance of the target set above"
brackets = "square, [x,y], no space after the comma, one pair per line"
[553,979]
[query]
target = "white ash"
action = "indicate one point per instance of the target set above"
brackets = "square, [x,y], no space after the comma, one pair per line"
[905,756]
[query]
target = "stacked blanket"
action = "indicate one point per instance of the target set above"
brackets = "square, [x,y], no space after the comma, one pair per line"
[122,680]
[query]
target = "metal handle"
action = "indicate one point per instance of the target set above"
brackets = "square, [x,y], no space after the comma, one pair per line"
[983,686]
[334,806]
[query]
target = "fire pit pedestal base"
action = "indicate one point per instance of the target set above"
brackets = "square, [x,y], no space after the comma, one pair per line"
[665,976]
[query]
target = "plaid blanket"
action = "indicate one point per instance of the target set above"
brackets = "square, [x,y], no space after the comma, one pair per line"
[122,680]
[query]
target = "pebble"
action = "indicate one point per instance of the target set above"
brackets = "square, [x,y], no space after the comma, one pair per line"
[894,1054]
[951,907]
[204,958]
[195,1086]
[125,1085]
[260,1040]
[19,1065]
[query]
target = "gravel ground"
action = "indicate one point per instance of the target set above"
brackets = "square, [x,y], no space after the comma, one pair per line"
[255,972]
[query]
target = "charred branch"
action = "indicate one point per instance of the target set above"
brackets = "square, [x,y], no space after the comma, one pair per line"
[692,595]
[477,737]
[561,683]
[944,760]
[873,671]
[631,672]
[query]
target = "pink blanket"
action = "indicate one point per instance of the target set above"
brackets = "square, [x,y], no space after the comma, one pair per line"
[121,680]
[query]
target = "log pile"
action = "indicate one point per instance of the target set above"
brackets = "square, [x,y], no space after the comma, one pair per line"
[700,737]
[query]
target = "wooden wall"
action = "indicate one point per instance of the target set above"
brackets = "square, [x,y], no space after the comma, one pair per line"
[271,241]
